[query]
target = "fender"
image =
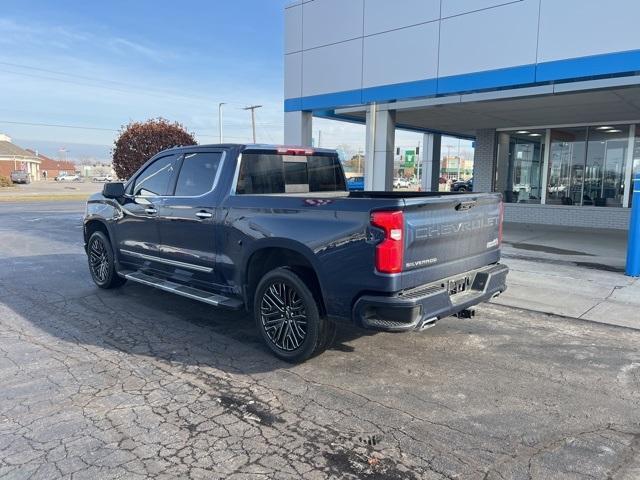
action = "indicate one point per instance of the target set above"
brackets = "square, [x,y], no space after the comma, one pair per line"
[103,211]
[285,243]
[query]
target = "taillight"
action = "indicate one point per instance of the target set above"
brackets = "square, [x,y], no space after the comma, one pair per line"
[389,252]
[501,222]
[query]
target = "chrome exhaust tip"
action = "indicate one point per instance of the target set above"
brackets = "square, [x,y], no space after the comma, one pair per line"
[428,323]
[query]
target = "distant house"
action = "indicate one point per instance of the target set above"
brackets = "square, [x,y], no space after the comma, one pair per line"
[12,158]
[54,168]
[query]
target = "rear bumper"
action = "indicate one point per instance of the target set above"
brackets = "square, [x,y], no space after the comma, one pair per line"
[421,307]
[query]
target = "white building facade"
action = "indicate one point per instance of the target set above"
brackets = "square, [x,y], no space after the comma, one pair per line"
[549,90]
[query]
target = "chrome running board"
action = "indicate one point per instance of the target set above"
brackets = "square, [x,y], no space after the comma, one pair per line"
[183,290]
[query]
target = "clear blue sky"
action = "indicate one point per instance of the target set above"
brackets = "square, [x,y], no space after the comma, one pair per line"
[101,64]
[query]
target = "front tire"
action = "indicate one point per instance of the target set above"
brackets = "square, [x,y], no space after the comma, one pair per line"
[288,318]
[102,263]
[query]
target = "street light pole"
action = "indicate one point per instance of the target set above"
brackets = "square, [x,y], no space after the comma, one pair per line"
[220,121]
[253,119]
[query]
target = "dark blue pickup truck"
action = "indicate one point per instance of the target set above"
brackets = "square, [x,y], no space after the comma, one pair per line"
[275,231]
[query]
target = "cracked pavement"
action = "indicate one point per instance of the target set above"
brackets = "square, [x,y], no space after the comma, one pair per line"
[136,383]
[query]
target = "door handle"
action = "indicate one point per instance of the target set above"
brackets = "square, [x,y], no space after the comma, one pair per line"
[150,211]
[204,214]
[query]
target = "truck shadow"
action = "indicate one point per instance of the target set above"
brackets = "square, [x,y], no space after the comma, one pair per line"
[55,294]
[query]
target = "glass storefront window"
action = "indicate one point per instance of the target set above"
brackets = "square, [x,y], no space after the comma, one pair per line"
[566,166]
[605,166]
[587,166]
[524,174]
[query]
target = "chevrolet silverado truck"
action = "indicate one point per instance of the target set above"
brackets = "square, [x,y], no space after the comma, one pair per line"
[274,231]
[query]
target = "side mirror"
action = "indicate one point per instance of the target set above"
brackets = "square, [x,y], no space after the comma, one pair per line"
[113,190]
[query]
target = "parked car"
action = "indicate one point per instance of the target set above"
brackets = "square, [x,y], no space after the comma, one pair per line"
[355,184]
[102,178]
[462,186]
[401,183]
[20,176]
[68,178]
[274,231]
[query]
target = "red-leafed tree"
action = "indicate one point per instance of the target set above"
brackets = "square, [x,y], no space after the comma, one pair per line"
[139,141]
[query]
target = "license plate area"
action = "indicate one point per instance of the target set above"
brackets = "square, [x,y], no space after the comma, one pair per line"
[458,285]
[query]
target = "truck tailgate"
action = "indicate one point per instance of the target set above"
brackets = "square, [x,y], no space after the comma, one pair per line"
[450,235]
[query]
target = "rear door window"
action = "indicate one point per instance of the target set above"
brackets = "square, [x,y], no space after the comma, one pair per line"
[198,174]
[264,173]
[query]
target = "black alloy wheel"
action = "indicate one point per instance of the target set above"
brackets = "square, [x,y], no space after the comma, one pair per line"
[101,262]
[98,260]
[288,316]
[283,316]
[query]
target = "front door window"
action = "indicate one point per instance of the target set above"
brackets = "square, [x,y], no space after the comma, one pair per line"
[155,179]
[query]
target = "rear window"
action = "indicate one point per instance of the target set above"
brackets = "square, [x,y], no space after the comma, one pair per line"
[262,173]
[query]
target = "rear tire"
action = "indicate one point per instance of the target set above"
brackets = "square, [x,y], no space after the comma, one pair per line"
[102,263]
[288,318]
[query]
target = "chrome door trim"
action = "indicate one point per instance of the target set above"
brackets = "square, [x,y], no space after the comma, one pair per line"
[236,174]
[166,261]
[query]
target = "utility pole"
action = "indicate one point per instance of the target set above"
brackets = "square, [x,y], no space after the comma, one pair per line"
[253,119]
[220,121]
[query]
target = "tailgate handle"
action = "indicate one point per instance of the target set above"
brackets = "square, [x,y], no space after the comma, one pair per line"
[462,206]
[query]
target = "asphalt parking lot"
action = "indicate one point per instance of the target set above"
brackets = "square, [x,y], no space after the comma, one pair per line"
[137,383]
[45,191]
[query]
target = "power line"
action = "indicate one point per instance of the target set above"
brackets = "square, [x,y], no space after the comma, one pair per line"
[66,74]
[57,125]
[73,81]
[79,127]
[147,92]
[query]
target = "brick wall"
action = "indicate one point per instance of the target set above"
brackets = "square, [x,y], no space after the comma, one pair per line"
[570,216]
[6,168]
[484,160]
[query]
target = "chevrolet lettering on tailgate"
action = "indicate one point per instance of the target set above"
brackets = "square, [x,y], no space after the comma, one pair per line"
[461,227]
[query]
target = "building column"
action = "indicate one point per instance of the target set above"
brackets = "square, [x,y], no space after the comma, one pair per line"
[503,173]
[380,143]
[484,160]
[297,128]
[431,153]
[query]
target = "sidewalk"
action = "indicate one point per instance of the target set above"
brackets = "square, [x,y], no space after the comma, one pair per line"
[572,272]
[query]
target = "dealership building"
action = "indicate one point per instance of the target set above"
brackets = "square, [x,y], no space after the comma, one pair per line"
[549,90]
